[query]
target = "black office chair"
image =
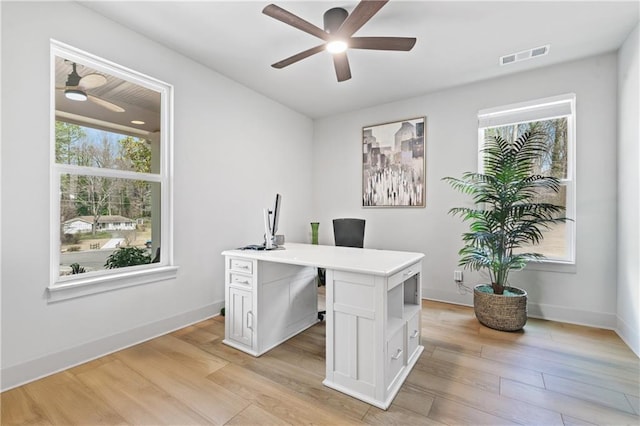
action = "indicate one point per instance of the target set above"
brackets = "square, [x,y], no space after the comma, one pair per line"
[347,232]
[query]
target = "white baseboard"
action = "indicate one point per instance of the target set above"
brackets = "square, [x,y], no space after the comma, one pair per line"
[572,316]
[439,295]
[34,369]
[630,334]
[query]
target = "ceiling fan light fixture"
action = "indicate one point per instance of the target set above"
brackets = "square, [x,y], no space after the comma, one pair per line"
[75,95]
[337,46]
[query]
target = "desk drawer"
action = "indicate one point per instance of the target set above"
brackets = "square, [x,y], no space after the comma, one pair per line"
[413,335]
[241,279]
[402,276]
[241,265]
[395,356]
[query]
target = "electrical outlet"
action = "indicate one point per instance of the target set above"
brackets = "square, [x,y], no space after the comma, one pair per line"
[457,276]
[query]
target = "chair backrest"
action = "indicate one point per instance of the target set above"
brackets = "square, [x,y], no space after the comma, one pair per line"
[349,232]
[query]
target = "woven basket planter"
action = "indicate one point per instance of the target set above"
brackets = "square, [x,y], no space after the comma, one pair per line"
[500,312]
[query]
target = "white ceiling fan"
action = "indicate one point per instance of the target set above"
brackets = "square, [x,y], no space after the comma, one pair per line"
[76,89]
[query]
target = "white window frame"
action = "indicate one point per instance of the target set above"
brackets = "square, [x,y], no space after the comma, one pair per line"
[561,106]
[67,287]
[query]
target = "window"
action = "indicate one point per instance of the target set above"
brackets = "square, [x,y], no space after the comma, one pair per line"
[110,176]
[556,118]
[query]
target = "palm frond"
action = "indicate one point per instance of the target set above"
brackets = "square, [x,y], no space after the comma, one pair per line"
[507,215]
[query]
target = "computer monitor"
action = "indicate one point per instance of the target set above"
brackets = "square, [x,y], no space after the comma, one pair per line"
[271,219]
[275,214]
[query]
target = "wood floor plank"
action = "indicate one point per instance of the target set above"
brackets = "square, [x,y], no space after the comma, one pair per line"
[226,353]
[412,398]
[569,405]
[539,346]
[493,404]
[18,408]
[572,421]
[573,334]
[254,415]
[432,340]
[307,385]
[293,355]
[198,334]
[462,374]
[572,350]
[587,392]
[311,342]
[135,398]
[397,415]
[490,367]
[635,403]
[537,328]
[608,378]
[188,355]
[274,398]
[64,400]
[453,413]
[208,399]
[465,332]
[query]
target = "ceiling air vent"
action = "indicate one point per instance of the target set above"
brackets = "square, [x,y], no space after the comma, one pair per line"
[524,55]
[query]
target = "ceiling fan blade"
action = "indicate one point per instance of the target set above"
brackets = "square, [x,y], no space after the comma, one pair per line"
[382,43]
[91,81]
[341,64]
[298,57]
[289,18]
[108,105]
[359,16]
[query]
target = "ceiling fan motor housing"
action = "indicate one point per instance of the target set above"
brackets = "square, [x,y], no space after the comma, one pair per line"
[73,79]
[333,19]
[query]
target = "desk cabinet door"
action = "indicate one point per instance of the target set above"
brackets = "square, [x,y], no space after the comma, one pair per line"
[395,357]
[413,336]
[241,316]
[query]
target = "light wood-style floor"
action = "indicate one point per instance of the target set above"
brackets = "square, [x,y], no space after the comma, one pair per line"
[550,374]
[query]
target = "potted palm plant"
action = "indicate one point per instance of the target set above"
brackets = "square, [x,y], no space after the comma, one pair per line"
[506,220]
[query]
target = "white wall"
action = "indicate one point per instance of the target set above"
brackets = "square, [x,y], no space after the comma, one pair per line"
[223,134]
[628,305]
[585,295]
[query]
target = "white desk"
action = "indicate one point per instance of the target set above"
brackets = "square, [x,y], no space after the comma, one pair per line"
[373,300]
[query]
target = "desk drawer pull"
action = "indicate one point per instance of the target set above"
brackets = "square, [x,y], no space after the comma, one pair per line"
[397,355]
[250,320]
[415,334]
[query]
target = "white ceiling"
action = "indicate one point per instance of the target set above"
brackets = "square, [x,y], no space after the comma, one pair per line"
[458,42]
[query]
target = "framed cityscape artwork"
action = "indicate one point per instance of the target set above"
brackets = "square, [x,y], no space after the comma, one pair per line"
[393,164]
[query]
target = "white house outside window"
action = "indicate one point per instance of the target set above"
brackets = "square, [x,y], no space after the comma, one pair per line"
[110,176]
[555,117]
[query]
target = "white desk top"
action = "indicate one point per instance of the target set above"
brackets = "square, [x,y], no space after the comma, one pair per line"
[370,261]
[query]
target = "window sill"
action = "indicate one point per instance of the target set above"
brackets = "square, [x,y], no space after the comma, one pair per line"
[64,290]
[552,266]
